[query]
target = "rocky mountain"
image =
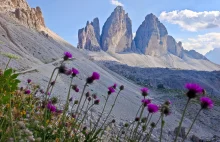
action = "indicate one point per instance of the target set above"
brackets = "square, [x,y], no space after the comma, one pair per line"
[213,55]
[89,37]
[151,37]
[19,9]
[117,32]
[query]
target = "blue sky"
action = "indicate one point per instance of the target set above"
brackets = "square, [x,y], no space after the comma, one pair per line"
[65,17]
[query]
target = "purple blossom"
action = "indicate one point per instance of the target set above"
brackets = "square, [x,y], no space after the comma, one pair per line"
[51,107]
[42,91]
[29,81]
[74,72]
[193,89]
[96,102]
[152,108]
[67,55]
[206,103]
[68,72]
[77,90]
[144,91]
[95,76]
[111,90]
[27,92]
[146,102]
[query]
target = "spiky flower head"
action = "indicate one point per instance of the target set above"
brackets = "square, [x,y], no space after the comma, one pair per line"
[29,81]
[206,103]
[144,91]
[193,90]
[152,108]
[111,90]
[74,72]
[114,86]
[95,76]
[96,102]
[27,92]
[67,55]
[146,102]
[51,107]
[122,87]
[87,94]
[94,96]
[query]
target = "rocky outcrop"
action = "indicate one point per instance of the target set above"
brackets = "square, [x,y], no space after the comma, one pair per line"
[195,55]
[151,37]
[19,9]
[173,47]
[89,37]
[117,32]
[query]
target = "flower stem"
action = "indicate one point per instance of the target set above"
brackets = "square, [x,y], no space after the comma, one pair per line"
[7,64]
[191,125]
[80,99]
[55,83]
[101,114]
[11,119]
[138,123]
[85,116]
[161,128]
[110,110]
[181,121]
[83,106]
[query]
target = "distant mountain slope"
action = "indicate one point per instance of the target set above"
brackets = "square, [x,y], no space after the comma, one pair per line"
[214,55]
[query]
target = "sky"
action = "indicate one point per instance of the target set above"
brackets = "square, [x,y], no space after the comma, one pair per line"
[194,22]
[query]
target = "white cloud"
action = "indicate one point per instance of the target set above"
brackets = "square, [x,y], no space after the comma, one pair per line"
[133,34]
[116,2]
[191,20]
[203,43]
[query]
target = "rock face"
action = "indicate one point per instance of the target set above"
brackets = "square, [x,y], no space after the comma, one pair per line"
[173,47]
[89,36]
[19,9]
[151,37]
[117,32]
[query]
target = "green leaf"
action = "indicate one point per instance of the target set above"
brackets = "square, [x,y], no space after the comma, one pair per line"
[8,72]
[14,76]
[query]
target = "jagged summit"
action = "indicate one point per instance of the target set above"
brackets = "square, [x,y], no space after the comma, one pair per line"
[89,37]
[19,9]
[117,32]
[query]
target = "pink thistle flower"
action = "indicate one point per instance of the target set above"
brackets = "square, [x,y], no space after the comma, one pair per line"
[206,103]
[95,76]
[94,96]
[146,102]
[67,55]
[152,108]
[96,102]
[29,81]
[51,107]
[77,90]
[74,72]
[27,92]
[193,89]
[144,91]
[68,72]
[111,90]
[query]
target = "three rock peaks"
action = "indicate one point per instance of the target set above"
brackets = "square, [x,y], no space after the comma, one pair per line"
[151,37]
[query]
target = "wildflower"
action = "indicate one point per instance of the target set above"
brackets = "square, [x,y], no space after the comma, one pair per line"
[111,90]
[52,83]
[167,103]
[94,96]
[144,120]
[146,102]
[76,102]
[89,99]
[166,110]
[74,72]
[95,76]
[29,81]
[96,102]
[87,94]
[137,119]
[206,103]
[122,87]
[144,128]
[48,93]
[193,89]
[144,91]
[22,88]
[51,107]
[126,125]
[152,108]
[42,91]
[114,86]
[75,88]
[71,99]
[153,125]
[67,55]
[62,69]
[113,121]
[27,92]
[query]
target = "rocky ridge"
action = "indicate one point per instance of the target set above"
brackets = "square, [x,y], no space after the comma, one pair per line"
[151,37]
[20,10]
[89,37]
